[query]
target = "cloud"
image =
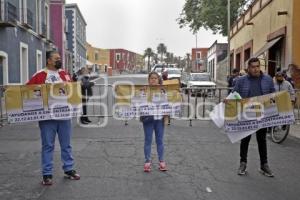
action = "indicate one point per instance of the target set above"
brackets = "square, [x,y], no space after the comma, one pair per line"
[138,24]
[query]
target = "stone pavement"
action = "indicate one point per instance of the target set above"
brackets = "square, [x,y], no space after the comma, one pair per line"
[202,165]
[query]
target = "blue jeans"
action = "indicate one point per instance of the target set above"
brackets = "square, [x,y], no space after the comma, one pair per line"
[158,127]
[49,128]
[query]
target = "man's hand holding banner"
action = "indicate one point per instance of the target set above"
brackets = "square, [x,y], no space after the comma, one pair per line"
[245,116]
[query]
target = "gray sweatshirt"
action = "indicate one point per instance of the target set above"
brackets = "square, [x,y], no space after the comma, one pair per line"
[285,85]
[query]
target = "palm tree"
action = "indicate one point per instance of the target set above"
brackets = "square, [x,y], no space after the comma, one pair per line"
[168,57]
[155,58]
[148,54]
[161,49]
[172,58]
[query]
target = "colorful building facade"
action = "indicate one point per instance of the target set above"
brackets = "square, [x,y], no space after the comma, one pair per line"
[76,36]
[269,30]
[25,35]
[216,53]
[199,58]
[122,59]
[58,31]
[99,57]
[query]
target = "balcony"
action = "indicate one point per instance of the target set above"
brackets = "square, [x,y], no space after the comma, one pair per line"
[8,15]
[29,22]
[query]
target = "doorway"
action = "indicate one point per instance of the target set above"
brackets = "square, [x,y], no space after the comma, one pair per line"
[275,58]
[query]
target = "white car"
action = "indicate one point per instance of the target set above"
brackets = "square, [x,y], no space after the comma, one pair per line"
[173,73]
[161,66]
[199,84]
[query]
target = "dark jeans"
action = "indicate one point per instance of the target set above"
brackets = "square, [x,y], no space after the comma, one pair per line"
[84,110]
[262,146]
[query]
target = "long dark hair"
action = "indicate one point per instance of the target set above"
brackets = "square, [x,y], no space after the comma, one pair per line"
[158,76]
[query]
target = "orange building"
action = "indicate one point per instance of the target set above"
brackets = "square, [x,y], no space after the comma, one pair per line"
[269,30]
[98,57]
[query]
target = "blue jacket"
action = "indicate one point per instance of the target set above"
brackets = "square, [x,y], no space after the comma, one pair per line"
[243,85]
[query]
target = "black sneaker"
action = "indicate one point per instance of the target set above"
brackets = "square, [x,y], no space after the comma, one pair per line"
[84,122]
[265,170]
[72,174]
[87,120]
[47,180]
[242,168]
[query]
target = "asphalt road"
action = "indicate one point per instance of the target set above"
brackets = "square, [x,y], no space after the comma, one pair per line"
[202,164]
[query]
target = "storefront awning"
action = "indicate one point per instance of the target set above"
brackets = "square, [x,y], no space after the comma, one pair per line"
[266,47]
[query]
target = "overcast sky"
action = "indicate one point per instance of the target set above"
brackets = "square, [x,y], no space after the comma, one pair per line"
[138,24]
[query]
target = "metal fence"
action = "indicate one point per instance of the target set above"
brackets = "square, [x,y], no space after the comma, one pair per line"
[196,105]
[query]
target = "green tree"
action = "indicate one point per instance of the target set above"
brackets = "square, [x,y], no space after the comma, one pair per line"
[148,54]
[161,49]
[210,14]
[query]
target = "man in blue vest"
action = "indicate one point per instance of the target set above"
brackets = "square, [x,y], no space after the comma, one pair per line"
[255,83]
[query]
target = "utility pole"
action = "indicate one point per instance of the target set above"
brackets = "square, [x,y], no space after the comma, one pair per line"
[228,38]
[196,59]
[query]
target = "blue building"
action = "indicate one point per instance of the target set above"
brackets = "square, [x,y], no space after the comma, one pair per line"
[76,35]
[24,39]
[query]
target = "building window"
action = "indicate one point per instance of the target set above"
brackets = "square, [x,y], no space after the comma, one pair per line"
[96,56]
[275,58]
[198,55]
[23,11]
[38,17]
[47,21]
[247,54]
[213,69]
[39,60]
[2,17]
[118,56]
[3,68]
[24,62]
[66,25]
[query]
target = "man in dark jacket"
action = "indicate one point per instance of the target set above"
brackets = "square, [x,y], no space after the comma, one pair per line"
[86,90]
[255,84]
[232,79]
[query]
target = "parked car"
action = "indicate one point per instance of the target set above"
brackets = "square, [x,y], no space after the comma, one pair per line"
[158,70]
[198,83]
[173,73]
[184,79]
[161,66]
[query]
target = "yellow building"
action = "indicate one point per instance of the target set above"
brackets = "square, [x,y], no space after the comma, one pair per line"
[98,56]
[140,62]
[269,30]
